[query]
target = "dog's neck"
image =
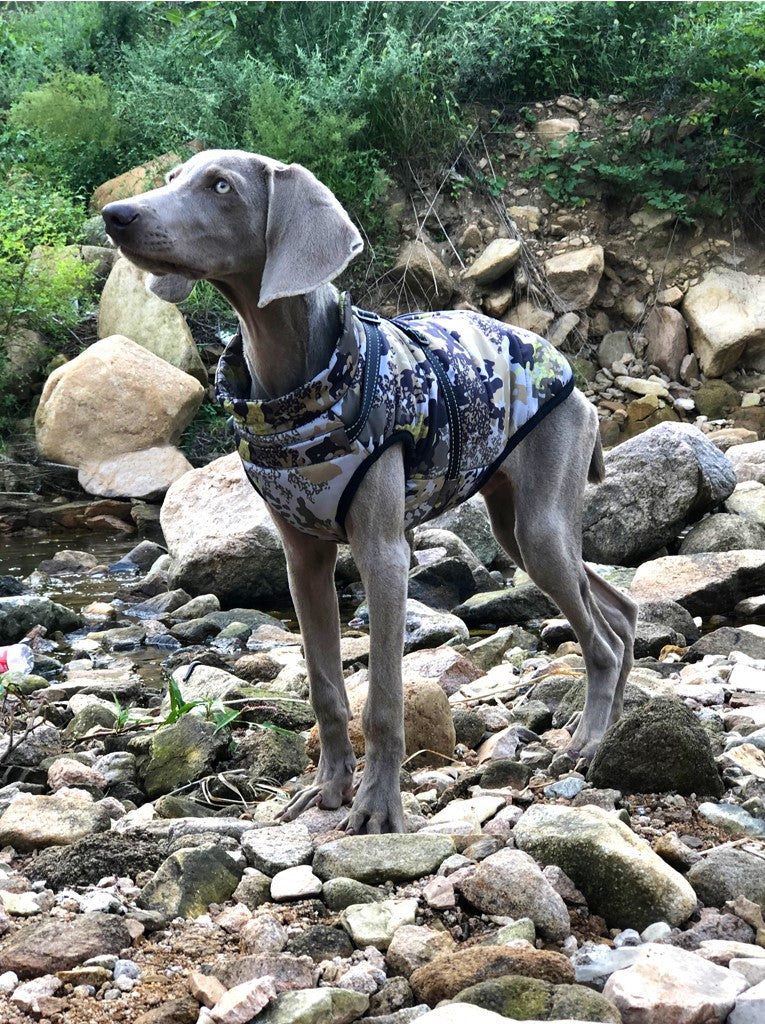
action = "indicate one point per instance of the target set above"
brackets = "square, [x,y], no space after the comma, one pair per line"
[287,342]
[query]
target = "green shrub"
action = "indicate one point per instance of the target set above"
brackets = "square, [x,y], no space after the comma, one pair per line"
[71,124]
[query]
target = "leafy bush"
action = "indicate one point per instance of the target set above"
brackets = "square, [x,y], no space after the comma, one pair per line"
[71,123]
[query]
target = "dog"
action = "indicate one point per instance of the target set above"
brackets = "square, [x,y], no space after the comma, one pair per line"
[271,237]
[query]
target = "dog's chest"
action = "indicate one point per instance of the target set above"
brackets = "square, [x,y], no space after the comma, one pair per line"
[456,390]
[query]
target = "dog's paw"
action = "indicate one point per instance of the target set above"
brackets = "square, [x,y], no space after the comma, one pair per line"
[328,795]
[375,812]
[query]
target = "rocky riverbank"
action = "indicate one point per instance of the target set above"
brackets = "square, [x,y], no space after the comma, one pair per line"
[144,875]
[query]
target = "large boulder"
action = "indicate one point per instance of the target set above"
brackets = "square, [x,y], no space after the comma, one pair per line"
[621,877]
[748,461]
[127,307]
[726,314]
[667,340]
[146,474]
[21,613]
[221,537]
[138,179]
[655,484]
[115,397]
[704,583]
[575,275]
[723,531]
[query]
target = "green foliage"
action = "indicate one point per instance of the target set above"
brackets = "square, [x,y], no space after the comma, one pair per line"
[71,125]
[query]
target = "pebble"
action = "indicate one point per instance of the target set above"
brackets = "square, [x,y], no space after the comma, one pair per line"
[8,982]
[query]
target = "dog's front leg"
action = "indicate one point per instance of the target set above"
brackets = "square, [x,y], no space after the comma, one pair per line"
[376,533]
[311,564]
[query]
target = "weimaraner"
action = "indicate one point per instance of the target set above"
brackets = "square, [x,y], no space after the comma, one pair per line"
[270,237]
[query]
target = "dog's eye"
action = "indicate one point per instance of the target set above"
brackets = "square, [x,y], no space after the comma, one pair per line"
[221,186]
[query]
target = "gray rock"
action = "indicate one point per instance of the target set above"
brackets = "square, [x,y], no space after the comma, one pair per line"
[523,603]
[45,947]
[177,754]
[274,849]
[189,881]
[423,627]
[669,614]
[678,475]
[470,522]
[289,972]
[441,584]
[660,747]
[509,883]
[618,872]
[724,531]
[20,614]
[468,727]
[374,924]
[268,754]
[726,639]
[32,822]
[339,893]
[95,857]
[376,859]
[317,1006]
[614,347]
[732,819]
[321,942]
[254,890]
[702,584]
[518,998]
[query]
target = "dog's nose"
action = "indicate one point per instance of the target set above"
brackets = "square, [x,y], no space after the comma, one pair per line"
[119,216]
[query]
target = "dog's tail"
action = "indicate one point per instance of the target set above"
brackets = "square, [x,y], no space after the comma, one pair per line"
[596,474]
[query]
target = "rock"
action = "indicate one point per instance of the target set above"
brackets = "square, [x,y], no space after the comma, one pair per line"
[221,537]
[339,893]
[509,883]
[726,314]
[146,176]
[442,665]
[254,889]
[31,822]
[144,474]
[748,461]
[44,947]
[275,849]
[499,256]
[374,924]
[419,268]
[667,338]
[522,998]
[28,996]
[289,972]
[268,754]
[726,873]
[189,881]
[556,130]
[648,218]
[65,771]
[177,754]
[621,877]
[447,975]
[171,1011]
[748,640]
[529,316]
[524,603]
[243,1002]
[732,818]
[723,531]
[615,348]
[321,942]
[660,747]
[469,728]
[317,1006]
[750,1006]
[716,399]
[376,859]
[441,584]
[470,522]
[679,475]
[702,583]
[673,985]
[205,988]
[562,329]
[528,218]
[748,501]
[413,946]
[20,614]
[128,308]
[575,275]
[295,884]
[94,857]
[114,397]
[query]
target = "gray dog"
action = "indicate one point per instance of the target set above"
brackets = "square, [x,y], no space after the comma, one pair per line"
[355,428]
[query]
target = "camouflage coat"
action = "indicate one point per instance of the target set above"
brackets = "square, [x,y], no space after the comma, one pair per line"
[457,390]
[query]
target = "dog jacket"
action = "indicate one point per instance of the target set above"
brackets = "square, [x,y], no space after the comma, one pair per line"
[456,389]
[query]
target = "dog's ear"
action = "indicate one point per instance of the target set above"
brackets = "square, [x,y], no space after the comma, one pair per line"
[309,236]
[170,287]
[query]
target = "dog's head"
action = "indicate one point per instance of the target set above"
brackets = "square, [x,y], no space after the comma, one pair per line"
[227,215]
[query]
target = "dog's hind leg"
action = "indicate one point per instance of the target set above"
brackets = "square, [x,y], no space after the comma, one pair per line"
[544,479]
[310,564]
[621,611]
